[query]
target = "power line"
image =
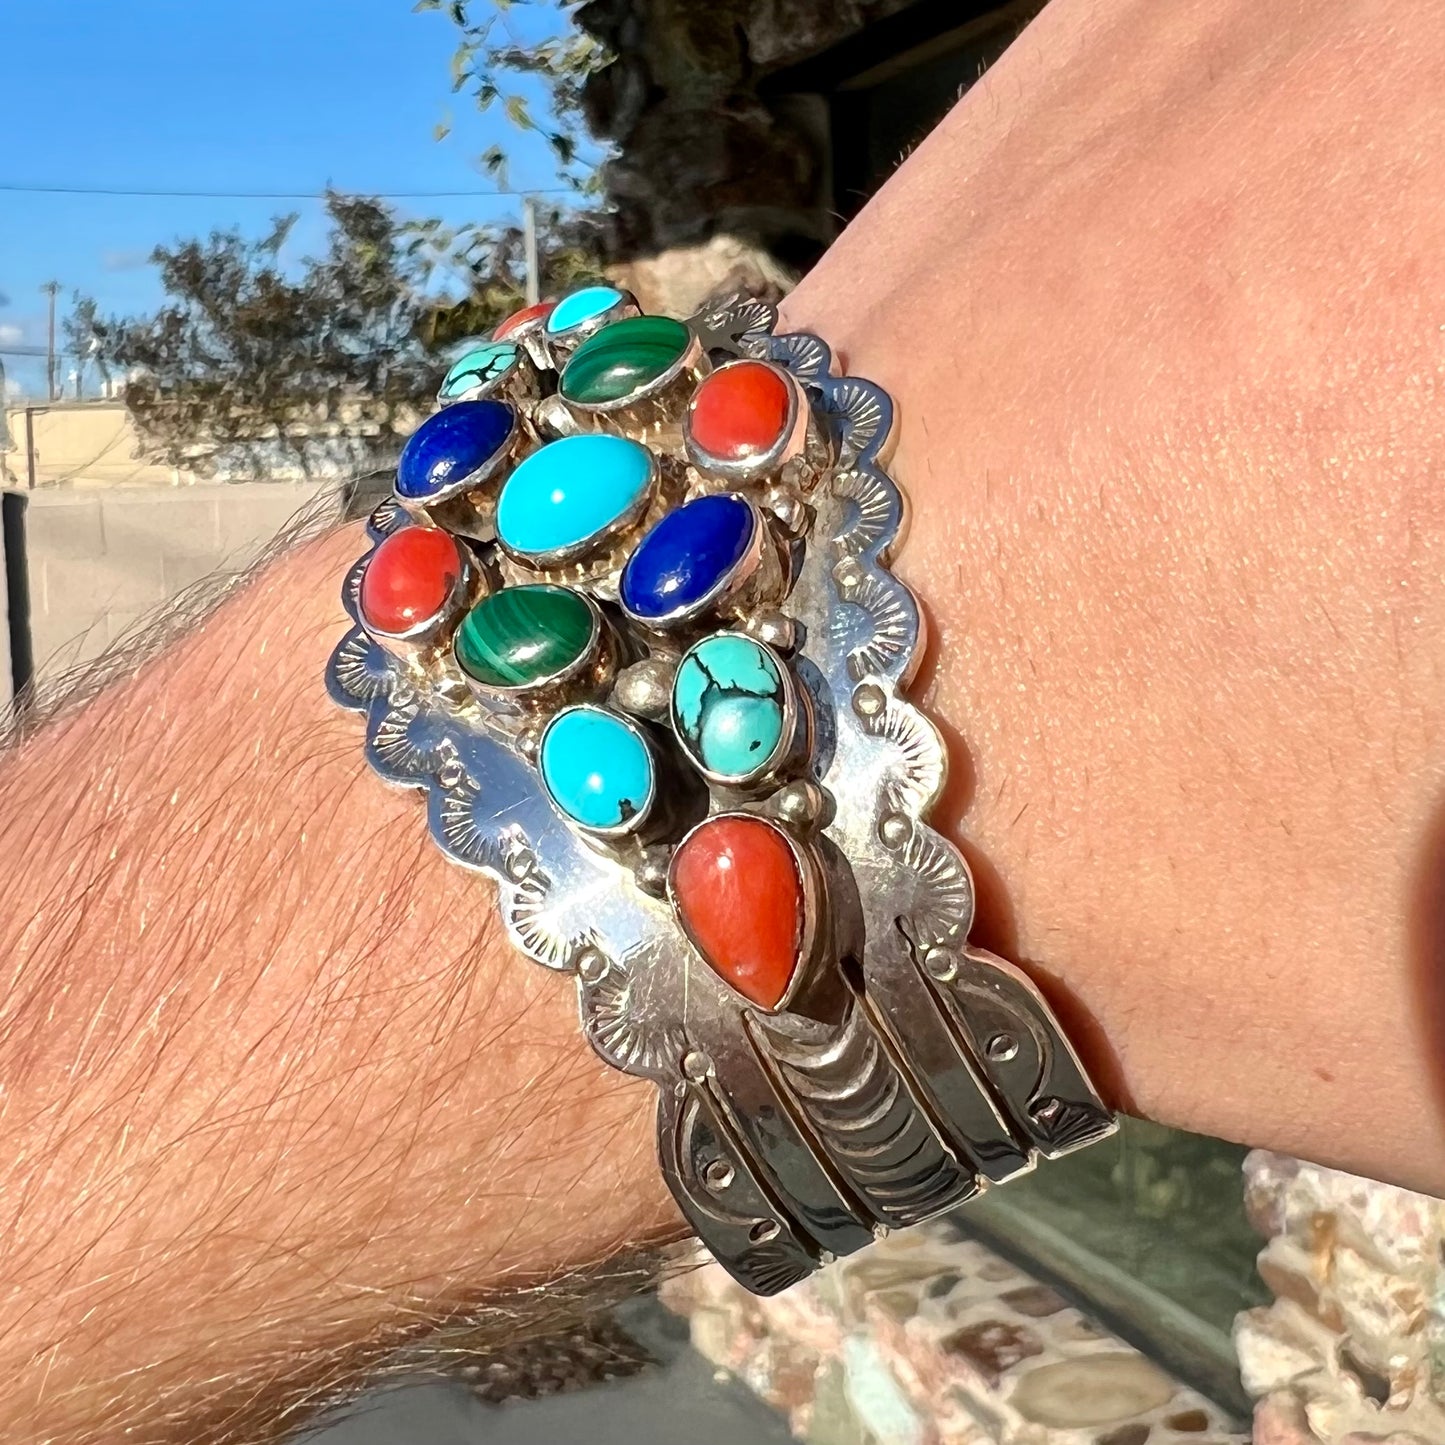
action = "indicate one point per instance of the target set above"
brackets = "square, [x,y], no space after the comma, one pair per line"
[279,195]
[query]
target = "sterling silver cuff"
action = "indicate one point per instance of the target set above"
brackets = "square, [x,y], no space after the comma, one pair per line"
[629,626]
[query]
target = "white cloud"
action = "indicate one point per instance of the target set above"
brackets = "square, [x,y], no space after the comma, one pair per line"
[11,335]
[13,390]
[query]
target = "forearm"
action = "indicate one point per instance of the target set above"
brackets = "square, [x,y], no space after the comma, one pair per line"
[273,1082]
[274,1086]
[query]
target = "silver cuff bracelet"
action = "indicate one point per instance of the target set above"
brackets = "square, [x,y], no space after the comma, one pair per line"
[629,626]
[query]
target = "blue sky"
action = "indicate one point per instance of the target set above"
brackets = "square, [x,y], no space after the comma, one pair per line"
[269,95]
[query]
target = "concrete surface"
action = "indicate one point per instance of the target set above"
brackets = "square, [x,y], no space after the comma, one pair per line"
[101,559]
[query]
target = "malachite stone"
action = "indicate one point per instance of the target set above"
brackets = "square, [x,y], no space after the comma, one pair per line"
[597,769]
[523,635]
[623,358]
[476,371]
[729,706]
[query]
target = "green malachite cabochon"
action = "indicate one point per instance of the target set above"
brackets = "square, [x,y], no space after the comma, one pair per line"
[521,635]
[622,357]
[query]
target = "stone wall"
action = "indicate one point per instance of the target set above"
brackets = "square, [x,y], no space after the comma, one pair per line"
[927,1338]
[100,560]
[1353,1349]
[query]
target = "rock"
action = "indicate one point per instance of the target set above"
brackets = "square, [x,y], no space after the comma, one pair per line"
[877,1400]
[1102,1389]
[1276,1347]
[1279,1419]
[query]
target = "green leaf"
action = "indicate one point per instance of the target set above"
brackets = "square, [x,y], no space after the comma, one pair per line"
[517,112]
[442,129]
[423,5]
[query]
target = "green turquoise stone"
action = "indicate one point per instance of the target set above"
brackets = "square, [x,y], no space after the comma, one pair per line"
[623,357]
[522,635]
[729,706]
[478,370]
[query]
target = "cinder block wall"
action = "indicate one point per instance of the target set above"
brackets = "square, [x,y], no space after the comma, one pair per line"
[101,559]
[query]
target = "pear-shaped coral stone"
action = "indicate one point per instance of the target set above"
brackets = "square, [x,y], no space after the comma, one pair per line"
[739,894]
[622,358]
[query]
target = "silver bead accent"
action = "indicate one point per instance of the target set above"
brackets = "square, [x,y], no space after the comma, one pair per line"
[645,688]
[774,628]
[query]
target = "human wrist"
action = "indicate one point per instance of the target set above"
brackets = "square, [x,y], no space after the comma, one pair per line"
[1181,570]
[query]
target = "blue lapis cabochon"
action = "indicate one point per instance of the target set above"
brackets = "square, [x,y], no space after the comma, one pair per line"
[597,768]
[580,307]
[448,448]
[568,493]
[687,556]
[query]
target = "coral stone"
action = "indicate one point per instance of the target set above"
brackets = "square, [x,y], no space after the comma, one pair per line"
[451,448]
[623,358]
[597,769]
[740,411]
[539,311]
[738,891]
[687,558]
[409,579]
[523,635]
[729,706]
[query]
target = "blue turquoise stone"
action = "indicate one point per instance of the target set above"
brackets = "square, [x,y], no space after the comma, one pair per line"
[479,368]
[596,768]
[449,447]
[581,306]
[569,492]
[729,703]
[685,556]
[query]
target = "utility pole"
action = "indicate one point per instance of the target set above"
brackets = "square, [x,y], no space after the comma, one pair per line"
[51,288]
[529,249]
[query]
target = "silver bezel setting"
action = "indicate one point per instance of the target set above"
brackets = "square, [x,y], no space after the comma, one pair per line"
[639,820]
[502,457]
[517,384]
[563,343]
[723,590]
[811,888]
[792,716]
[435,630]
[790,445]
[605,538]
[552,683]
[689,365]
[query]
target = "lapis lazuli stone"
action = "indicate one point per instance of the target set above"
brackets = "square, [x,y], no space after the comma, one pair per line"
[569,493]
[729,706]
[581,307]
[687,557]
[478,370]
[448,448]
[597,769]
